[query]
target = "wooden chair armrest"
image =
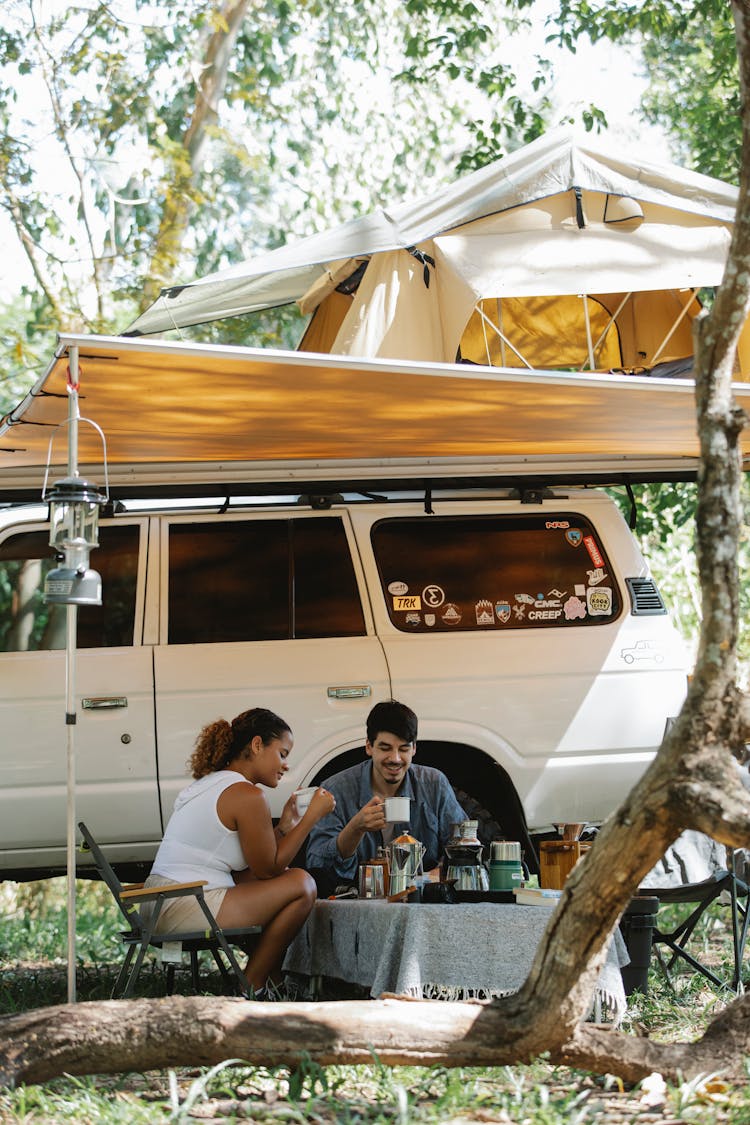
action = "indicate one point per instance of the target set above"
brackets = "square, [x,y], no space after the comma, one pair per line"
[169,890]
[131,887]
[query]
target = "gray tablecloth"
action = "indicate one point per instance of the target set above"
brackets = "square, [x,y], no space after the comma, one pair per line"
[446,952]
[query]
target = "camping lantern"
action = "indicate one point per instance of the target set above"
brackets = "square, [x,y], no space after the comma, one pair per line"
[74,506]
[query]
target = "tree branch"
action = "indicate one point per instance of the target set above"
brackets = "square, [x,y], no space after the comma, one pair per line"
[121,1035]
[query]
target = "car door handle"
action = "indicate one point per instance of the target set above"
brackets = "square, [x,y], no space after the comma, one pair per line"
[350,691]
[103,702]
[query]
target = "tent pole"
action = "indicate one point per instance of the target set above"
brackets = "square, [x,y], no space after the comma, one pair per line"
[70,721]
[589,341]
[674,327]
[612,320]
[500,329]
[495,328]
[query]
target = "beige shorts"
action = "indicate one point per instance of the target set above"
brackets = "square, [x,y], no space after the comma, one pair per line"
[180,915]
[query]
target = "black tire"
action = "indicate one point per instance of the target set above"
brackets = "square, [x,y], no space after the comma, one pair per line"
[488,828]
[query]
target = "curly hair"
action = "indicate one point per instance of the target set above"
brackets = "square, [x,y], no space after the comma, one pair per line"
[221,742]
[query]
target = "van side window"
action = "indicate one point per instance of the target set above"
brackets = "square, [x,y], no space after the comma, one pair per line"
[27,624]
[326,599]
[442,574]
[261,580]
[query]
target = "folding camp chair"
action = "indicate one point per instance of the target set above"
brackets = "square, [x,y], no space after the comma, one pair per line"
[723,881]
[140,937]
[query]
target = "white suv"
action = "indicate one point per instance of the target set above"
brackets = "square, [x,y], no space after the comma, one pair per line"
[528,637]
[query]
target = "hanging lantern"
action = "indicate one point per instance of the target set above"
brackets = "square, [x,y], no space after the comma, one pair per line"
[74,506]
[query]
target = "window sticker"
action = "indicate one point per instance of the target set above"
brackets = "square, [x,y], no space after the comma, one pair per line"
[406,602]
[547,609]
[508,572]
[599,601]
[593,551]
[484,612]
[574,608]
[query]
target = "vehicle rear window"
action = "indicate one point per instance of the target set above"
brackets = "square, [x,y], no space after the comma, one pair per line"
[445,574]
[261,580]
[28,624]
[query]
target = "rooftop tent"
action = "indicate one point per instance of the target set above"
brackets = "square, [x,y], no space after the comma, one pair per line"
[567,254]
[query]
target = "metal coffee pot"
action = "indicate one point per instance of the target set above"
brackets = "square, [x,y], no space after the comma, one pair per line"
[405,855]
[464,867]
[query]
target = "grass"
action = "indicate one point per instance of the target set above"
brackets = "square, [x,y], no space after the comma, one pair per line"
[33,974]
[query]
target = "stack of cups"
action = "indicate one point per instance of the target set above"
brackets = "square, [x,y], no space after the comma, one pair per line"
[506,870]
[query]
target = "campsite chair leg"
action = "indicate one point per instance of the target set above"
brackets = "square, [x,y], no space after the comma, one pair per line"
[679,951]
[680,936]
[219,935]
[221,966]
[194,975]
[122,975]
[145,940]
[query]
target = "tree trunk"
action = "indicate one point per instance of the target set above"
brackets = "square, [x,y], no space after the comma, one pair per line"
[122,1035]
[189,157]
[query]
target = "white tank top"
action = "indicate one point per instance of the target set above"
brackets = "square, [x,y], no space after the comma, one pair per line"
[196,844]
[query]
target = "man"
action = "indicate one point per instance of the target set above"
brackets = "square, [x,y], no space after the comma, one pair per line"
[357,827]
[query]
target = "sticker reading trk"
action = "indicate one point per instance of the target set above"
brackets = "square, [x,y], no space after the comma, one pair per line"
[406,602]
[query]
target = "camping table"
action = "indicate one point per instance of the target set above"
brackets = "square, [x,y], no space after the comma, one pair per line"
[450,952]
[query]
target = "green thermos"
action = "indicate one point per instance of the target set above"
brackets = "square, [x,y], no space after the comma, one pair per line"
[506,870]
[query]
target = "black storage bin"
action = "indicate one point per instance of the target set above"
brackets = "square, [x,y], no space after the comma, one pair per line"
[637,928]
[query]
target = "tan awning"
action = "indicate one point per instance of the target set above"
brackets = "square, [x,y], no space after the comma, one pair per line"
[187,414]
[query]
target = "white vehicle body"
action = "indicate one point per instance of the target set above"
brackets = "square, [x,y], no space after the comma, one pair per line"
[558,707]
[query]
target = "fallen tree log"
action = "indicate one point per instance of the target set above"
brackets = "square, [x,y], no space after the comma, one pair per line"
[118,1035]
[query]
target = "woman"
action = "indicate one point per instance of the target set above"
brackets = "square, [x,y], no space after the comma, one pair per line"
[221,831]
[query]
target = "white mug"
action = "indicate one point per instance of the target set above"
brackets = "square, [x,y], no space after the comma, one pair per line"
[397,810]
[302,799]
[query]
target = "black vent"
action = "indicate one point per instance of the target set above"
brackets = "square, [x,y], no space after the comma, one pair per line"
[645,599]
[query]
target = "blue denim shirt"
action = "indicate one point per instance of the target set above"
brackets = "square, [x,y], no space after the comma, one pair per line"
[434,811]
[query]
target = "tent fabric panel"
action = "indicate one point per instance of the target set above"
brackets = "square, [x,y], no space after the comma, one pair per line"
[394,314]
[549,332]
[598,259]
[325,323]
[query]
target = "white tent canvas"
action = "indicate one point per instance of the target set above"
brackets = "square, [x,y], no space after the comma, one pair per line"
[562,219]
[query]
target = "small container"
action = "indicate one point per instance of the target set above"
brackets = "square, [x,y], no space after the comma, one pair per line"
[506,870]
[372,880]
[302,799]
[397,810]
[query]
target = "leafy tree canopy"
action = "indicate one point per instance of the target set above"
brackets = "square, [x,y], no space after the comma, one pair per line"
[143,141]
[690,57]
